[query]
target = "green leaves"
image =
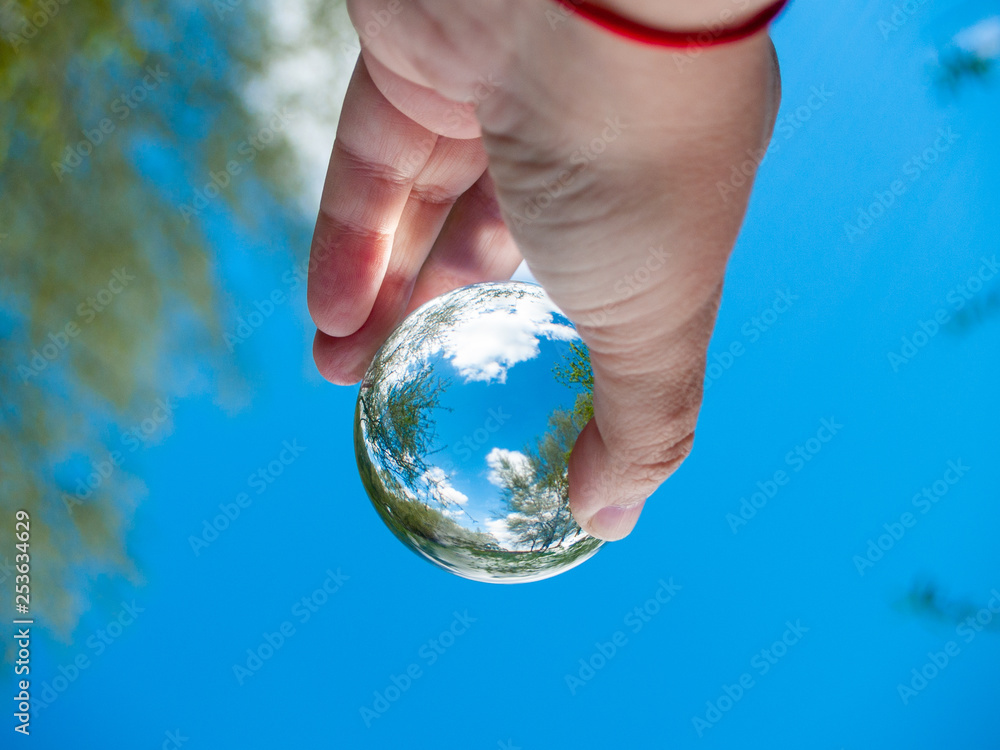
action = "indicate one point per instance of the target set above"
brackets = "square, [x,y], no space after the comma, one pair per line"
[96,152]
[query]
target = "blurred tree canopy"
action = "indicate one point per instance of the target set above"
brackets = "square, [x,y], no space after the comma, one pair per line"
[971,54]
[958,66]
[124,128]
[926,599]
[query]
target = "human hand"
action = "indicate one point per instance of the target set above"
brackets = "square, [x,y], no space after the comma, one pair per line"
[604,162]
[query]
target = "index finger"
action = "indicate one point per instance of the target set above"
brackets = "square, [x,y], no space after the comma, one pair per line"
[376,158]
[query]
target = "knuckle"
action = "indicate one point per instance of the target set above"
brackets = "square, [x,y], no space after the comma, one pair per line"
[433,195]
[657,461]
[653,450]
[333,231]
[391,177]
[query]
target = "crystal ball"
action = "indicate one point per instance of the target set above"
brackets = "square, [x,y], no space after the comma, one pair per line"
[464,424]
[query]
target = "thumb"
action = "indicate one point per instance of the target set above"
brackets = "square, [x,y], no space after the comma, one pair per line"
[647,393]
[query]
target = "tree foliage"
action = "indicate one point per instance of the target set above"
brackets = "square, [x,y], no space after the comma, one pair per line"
[115,118]
[536,491]
[960,66]
[926,599]
[400,424]
[579,374]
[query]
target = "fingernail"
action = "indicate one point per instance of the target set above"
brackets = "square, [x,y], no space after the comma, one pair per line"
[615,522]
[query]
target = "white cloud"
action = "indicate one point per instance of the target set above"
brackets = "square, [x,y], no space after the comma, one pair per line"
[499,531]
[489,336]
[435,477]
[982,38]
[517,460]
[484,347]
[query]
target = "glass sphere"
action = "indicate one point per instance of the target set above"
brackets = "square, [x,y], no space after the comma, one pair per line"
[463,427]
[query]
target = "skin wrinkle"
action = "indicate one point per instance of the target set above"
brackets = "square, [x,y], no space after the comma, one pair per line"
[613,343]
[391,176]
[349,228]
[427,191]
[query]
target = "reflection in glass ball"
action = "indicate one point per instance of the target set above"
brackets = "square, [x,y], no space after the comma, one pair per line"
[464,424]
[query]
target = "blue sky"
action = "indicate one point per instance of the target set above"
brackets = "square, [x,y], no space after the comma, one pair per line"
[689,608]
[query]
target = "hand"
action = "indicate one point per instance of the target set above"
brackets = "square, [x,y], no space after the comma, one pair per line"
[605,161]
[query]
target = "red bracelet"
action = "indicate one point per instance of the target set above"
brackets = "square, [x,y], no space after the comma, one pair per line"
[630,29]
